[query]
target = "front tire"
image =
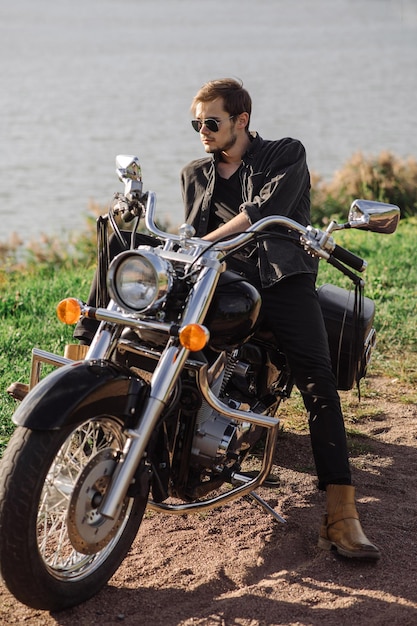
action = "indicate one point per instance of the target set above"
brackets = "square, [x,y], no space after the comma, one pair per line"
[55,550]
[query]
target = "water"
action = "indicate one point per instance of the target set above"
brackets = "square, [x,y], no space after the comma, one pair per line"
[85,80]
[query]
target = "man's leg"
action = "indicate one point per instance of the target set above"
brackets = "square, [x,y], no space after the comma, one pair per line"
[292,310]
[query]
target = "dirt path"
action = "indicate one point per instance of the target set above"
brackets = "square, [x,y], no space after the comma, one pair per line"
[237,566]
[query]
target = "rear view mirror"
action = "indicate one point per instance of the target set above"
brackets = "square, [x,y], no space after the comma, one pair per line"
[377,217]
[129,173]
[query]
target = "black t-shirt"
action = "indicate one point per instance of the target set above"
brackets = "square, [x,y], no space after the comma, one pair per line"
[226,200]
[225,203]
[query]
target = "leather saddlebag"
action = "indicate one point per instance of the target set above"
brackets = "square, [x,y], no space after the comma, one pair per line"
[348,319]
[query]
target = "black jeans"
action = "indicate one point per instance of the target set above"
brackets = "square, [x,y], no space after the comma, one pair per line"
[292,311]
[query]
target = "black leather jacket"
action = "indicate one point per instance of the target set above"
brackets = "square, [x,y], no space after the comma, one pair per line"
[275,181]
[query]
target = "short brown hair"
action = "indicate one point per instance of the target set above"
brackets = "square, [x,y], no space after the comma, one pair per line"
[236,99]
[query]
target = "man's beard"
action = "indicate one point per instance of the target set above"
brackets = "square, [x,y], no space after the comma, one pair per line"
[226,146]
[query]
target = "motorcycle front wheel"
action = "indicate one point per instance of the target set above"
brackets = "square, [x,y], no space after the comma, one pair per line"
[56,551]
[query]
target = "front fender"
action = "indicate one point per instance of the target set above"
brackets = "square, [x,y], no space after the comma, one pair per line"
[75,392]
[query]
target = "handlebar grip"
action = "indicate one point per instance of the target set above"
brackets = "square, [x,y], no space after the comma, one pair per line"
[350,259]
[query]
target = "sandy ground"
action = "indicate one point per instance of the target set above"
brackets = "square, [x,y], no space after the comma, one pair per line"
[238,566]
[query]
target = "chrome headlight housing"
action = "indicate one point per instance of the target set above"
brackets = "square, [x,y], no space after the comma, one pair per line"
[139,280]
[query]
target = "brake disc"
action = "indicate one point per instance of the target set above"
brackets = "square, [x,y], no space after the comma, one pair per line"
[88,530]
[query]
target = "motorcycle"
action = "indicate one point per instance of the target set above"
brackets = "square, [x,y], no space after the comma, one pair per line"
[178,387]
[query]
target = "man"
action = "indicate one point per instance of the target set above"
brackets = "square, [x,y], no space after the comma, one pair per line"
[243,179]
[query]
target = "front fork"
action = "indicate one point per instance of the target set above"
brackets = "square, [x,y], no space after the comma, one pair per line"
[166,375]
[162,385]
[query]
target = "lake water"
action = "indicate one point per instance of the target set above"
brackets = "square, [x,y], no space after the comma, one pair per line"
[85,80]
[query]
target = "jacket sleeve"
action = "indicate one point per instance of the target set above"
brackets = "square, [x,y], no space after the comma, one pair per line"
[280,182]
[189,193]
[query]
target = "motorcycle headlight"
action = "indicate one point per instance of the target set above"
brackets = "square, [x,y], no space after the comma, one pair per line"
[139,280]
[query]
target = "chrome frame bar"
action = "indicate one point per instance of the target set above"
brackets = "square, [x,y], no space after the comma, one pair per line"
[232,494]
[40,357]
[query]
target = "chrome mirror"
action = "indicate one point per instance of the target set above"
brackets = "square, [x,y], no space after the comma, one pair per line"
[377,217]
[130,173]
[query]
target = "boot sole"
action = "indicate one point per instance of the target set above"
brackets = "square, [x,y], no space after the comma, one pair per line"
[328,545]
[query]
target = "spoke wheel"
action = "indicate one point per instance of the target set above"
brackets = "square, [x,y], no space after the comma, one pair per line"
[51,486]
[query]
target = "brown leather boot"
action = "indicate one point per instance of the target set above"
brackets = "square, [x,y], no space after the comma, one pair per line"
[75,351]
[341,528]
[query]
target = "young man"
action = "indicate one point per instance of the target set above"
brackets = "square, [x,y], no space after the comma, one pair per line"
[243,179]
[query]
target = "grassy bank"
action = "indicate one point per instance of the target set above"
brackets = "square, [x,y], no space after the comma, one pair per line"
[29,297]
[27,318]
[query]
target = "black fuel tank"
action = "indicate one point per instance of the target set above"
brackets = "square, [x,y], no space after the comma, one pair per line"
[233,313]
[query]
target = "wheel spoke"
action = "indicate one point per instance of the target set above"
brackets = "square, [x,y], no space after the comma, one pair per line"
[78,449]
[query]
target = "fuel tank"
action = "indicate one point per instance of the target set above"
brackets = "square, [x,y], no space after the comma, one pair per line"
[233,313]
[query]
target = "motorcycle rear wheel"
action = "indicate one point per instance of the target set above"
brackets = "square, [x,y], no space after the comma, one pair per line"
[42,482]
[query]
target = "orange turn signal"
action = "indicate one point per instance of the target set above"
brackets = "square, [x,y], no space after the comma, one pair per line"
[69,311]
[194,337]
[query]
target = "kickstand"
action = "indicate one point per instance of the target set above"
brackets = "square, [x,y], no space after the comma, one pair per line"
[266,507]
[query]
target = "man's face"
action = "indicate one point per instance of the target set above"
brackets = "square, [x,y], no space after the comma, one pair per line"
[225,138]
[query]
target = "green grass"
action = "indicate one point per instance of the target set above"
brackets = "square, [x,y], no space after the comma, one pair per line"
[28,300]
[27,319]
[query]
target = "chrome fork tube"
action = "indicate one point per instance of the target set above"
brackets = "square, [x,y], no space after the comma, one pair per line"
[165,375]
[102,339]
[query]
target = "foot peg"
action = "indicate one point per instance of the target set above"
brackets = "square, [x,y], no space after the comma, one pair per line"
[18,391]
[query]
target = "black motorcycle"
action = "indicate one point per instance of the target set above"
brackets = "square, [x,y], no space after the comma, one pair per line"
[178,386]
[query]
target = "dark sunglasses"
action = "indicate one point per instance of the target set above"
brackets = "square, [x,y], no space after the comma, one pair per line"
[210,122]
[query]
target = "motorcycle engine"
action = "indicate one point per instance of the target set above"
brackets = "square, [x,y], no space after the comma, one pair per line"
[219,441]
